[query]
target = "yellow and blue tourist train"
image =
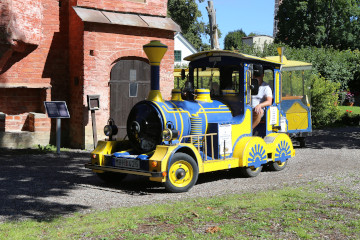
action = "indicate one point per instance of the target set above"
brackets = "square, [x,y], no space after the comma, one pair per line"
[201,130]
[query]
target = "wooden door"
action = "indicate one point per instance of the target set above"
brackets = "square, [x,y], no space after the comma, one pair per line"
[129,84]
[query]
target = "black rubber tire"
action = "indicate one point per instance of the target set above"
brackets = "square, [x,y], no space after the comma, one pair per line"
[248,172]
[111,177]
[274,166]
[178,160]
[302,142]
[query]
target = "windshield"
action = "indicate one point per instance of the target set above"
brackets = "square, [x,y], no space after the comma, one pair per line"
[296,84]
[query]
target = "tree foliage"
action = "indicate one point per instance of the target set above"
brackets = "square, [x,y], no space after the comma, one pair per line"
[341,66]
[320,23]
[324,111]
[186,14]
[233,40]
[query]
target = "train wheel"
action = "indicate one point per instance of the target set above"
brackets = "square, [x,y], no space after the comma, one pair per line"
[111,177]
[183,173]
[250,171]
[277,166]
[302,142]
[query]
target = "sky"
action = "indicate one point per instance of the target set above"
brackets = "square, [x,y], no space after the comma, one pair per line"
[249,15]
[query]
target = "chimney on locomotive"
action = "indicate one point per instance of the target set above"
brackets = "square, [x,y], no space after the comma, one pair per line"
[155,51]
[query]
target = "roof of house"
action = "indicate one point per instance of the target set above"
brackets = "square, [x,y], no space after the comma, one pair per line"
[186,42]
[257,36]
[126,19]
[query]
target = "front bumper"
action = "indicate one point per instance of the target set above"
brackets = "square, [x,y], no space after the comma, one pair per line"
[123,170]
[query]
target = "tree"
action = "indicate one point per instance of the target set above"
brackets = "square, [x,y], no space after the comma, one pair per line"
[233,40]
[186,14]
[328,23]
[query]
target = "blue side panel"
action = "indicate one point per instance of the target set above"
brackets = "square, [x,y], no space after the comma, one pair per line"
[287,104]
[217,111]
[191,106]
[191,114]
[257,156]
[282,152]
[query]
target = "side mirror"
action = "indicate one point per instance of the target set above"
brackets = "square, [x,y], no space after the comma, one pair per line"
[183,74]
[254,86]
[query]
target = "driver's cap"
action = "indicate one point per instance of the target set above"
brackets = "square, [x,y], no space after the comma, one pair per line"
[258,70]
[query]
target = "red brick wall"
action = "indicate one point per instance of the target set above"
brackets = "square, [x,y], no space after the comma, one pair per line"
[16,103]
[150,7]
[76,79]
[58,56]
[108,44]
[38,122]
[41,68]
[20,22]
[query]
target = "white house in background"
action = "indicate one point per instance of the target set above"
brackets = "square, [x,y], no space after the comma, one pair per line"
[182,49]
[258,41]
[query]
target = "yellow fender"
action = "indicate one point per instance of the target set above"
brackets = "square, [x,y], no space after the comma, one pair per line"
[163,154]
[251,151]
[104,148]
[281,147]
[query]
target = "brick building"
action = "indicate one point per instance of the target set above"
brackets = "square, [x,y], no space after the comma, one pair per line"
[68,49]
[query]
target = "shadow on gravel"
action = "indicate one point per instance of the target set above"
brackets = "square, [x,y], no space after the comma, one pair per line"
[335,138]
[136,186]
[31,183]
[36,185]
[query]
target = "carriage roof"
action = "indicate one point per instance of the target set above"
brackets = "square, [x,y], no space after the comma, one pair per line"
[235,55]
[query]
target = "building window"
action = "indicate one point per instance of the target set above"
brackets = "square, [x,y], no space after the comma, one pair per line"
[177,55]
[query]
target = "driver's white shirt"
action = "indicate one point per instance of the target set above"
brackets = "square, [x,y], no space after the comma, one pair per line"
[264,92]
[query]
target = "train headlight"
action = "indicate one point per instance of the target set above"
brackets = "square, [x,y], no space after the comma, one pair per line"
[169,134]
[110,130]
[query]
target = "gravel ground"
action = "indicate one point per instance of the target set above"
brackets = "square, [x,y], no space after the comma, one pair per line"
[45,186]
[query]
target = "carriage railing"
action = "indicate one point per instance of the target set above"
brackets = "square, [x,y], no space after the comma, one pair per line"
[201,142]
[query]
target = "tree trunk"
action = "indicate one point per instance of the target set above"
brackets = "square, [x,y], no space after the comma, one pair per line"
[213,26]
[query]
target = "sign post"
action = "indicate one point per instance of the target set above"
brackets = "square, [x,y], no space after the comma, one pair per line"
[58,110]
[93,105]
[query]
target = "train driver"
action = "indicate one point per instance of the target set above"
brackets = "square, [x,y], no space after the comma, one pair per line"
[263,98]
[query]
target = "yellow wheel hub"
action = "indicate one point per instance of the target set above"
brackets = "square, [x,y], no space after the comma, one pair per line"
[181,173]
[254,169]
[280,164]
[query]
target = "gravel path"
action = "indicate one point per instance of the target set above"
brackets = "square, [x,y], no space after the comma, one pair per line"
[45,186]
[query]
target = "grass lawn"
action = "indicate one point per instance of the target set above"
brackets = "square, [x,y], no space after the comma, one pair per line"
[312,211]
[355,110]
[348,116]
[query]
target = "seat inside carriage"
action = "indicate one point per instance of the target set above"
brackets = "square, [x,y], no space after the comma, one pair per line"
[228,89]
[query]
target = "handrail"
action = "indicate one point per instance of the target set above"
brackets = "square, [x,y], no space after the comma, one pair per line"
[202,141]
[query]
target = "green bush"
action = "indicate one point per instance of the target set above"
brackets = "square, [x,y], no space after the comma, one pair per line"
[349,119]
[324,97]
[335,65]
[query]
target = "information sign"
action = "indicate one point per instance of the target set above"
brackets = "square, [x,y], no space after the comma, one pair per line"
[57,109]
[225,141]
[273,115]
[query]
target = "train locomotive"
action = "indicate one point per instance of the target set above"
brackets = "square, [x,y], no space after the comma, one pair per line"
[199,130]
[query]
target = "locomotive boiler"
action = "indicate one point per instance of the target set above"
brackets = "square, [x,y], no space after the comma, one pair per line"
[199,130]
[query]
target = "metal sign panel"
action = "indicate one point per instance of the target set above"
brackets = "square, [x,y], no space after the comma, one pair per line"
[93,102]
[57,109]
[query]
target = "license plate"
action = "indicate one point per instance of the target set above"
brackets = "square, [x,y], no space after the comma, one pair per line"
[127,163]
